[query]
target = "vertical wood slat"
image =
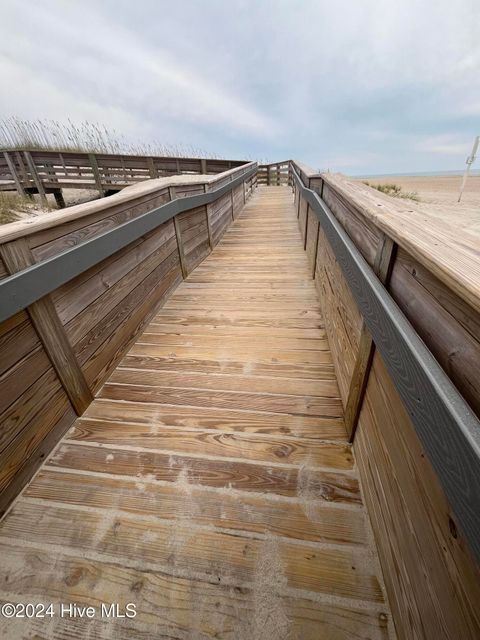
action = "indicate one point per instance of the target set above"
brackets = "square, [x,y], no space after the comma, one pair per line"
[178,235]
[17,256]
[306,220]
[382,267]
[207,215]
[151,168]
[64,166]
[319,190]
[13,171]
[232,200]
[96,173]
[23,170]
[36,177]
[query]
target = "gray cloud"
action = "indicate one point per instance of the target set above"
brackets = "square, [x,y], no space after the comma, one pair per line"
[361,86]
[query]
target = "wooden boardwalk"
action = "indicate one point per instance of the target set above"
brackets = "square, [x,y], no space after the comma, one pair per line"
[210,483]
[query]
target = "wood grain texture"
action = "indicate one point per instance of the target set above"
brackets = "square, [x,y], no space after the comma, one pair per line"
[450,253]
[17,256]
[342,319]
[383,266]
[448,326]
[430,574]
[210,481]
[92,321]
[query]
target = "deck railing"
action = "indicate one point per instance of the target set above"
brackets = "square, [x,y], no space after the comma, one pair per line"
[42,172]
[276,173]
[416,438]
[76,286]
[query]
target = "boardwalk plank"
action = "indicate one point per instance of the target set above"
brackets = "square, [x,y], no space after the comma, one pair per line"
[210,481]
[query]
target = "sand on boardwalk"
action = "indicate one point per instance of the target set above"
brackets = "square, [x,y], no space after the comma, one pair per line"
[441,191]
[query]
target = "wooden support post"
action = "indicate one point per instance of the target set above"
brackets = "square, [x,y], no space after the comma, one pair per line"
[151,168]
[268,176]
[203,166]
[306,221]
[178,235]
[179,170]
[50,171]
[23,170]
[127,175]
[17,256]
[207,214]
[36,177]
[383,265]
[278,175]
[58,195]
[232,200]
[314,270]
[15,176]
[62,160]
[306,228]
[96,173]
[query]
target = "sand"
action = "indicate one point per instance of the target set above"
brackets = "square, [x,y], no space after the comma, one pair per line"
[442,191]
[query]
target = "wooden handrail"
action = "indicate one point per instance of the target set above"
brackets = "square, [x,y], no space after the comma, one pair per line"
[76,286]
[445,424]
[42,172]
[32,283]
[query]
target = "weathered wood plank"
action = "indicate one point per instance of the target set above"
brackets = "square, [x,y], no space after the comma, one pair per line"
[282,480]
[383,265]
[340,571]
[215,443]
[212,471]
[169,605]
[17,256]
[312,520]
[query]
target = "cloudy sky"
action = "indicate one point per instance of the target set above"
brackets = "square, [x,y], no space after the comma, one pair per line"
[359,86]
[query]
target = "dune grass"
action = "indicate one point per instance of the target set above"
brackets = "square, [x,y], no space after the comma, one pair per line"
[395,190]
[85,137]
[12,206]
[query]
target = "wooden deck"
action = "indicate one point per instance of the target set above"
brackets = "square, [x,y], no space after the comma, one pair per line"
[210,482]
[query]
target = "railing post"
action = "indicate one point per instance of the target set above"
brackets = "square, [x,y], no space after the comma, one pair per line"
[382,267]
[96,173]
[151,168]
[36,178]
[17,256]
[207,214]
[178,236]
[15,176]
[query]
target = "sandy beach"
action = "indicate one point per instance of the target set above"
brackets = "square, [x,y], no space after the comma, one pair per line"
[443,192]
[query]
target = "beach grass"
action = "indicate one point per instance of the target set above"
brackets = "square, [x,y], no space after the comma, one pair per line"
[395,190]
[84,137]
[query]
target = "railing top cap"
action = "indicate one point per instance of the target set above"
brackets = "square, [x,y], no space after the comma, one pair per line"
[431,233]
[23,228]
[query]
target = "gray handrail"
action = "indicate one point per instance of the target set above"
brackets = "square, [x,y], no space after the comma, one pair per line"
[21,289]
[447,427]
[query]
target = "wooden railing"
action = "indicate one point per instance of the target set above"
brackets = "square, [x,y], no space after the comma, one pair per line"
[45,172]
[396,312]
[76,286]
[275,174]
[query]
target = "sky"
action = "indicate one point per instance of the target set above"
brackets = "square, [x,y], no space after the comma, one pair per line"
[357,86]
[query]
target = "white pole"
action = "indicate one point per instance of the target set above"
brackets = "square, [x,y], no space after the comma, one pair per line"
[470,160]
